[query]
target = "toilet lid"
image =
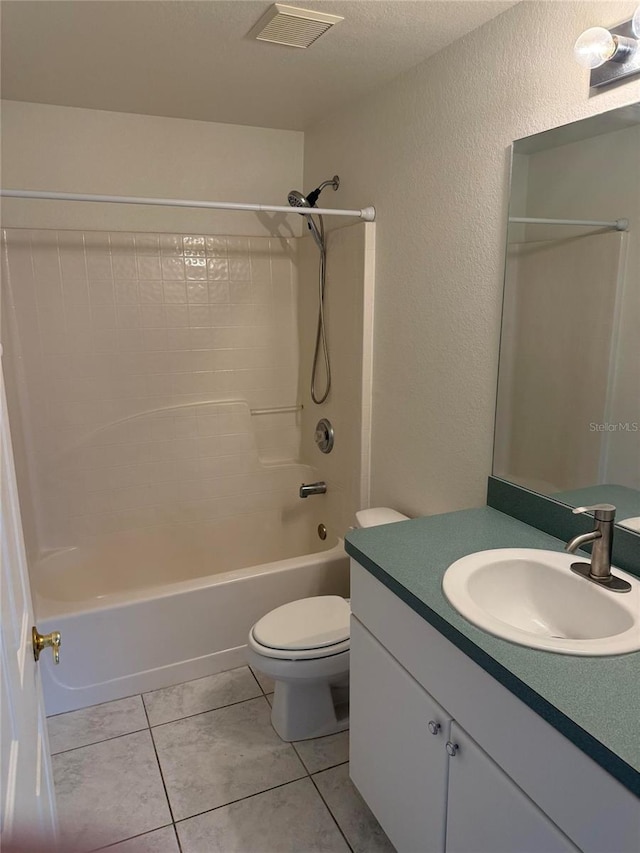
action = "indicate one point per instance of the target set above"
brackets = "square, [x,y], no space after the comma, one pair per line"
[310,623]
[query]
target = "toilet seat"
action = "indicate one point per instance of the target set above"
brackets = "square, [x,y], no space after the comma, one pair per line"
[303,630]
[303,654]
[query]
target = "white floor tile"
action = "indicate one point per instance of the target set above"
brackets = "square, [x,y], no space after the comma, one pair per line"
[204,694]
[290,819]
[109,787]
[214,758]
[109,791]
[159,841]
[267,684]
[361,829]
[323,752]
[100,722]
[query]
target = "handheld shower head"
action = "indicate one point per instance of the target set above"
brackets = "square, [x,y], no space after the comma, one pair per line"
[307,205]
[297,199]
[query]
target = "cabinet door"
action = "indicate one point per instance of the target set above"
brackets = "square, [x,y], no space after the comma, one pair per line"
[398,766]
[488,813]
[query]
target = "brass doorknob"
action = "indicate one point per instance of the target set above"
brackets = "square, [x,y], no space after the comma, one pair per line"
[43,641]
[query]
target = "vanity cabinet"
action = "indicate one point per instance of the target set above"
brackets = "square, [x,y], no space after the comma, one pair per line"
[488,813]
[401,762]
[514,784]
[397,746]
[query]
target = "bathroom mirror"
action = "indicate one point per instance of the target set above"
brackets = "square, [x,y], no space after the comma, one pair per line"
[568,406]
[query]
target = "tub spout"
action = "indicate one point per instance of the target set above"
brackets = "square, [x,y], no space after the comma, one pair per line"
[307,489]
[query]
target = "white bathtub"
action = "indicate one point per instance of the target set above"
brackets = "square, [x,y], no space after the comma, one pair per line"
[145,611]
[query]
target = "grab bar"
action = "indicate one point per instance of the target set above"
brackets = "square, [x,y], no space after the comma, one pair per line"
[276,410]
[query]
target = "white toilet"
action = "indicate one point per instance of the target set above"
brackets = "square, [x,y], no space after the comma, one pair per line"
[304,647]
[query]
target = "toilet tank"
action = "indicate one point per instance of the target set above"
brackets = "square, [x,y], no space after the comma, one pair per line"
[378,515]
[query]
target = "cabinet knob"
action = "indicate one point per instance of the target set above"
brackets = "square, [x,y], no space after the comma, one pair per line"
[451,748]
[434,727]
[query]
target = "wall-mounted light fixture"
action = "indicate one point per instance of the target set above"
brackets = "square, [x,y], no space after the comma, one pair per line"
[611,54]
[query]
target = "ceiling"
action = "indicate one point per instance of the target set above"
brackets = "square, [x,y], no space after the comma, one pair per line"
[192,59]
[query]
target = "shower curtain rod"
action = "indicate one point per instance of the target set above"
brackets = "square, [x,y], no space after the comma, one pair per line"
[618,224]
[366,213]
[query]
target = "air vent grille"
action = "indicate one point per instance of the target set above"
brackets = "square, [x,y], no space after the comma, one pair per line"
[291,26]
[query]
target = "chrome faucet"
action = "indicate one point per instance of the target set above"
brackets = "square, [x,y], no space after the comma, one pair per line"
[599,570]
[307,489]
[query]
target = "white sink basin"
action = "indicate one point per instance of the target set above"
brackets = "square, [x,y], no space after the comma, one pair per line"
[533,598]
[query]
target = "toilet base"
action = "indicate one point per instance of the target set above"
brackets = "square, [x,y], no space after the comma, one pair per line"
[311,697]
[308,711]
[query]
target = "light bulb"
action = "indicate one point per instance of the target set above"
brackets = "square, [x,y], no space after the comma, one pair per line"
[635,23]
[594,47]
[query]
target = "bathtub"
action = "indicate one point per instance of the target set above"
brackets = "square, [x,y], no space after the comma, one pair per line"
[148,610]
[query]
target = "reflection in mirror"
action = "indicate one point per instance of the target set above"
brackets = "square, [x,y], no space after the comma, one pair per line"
[568,409]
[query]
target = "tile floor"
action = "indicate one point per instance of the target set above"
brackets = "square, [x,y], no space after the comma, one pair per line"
[197,768]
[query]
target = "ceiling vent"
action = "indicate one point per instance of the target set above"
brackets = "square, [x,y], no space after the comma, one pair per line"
[293,27]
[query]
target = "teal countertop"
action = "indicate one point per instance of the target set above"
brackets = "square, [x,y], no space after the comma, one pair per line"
[593,701]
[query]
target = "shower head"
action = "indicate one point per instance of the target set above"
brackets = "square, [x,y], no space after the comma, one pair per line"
[297,199]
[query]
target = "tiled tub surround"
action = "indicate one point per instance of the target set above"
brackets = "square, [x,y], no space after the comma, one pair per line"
[148,483]
[112,344]
[246,531]
[201,760]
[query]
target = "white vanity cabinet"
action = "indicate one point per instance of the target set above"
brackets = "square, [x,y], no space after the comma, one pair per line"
[514,784]
[397,746]
[488,813]
[401,741]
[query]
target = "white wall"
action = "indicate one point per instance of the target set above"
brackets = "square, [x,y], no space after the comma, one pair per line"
[67,149]
[431,152]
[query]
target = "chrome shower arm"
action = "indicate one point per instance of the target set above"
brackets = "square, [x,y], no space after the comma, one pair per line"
[333,182]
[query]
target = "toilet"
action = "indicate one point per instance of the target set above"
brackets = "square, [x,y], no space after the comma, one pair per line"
[304,647]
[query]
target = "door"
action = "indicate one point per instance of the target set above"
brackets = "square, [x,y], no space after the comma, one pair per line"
[488,813]
[27,807]
[397,747]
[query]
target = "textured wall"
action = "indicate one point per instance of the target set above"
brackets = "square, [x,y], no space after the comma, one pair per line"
[431,151]
[66,149]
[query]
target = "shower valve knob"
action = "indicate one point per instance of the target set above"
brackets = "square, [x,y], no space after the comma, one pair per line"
[324,436]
